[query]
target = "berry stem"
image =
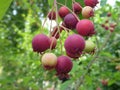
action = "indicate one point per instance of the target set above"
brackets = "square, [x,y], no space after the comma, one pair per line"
[52,41]
[65,2]
[50,27]
[55,3]
[69,10]
[72,4]
[50,32]
[47,17]
[66,29]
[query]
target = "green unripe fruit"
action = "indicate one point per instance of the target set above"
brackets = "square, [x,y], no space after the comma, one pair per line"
[89,46]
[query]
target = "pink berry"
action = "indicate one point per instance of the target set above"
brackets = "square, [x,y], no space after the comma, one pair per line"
[63,11]
[85,27]
[77,8]
[91,3]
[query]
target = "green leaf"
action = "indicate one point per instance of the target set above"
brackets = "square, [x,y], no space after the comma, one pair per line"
[81,2]
[4,4]
[51,2]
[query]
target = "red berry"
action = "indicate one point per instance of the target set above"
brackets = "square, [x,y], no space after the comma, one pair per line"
[113,25]
[40,43]
[87,12]
[64,65]
[106,21]
[77,8]
[103,25]
[111,29]
[104,82]
[109,14]
[91,3]
[63,11]
[85,27]
[53,42]
[52,15]
[106,27]
[98,88]
[74,44]
[56,33]
[70,21]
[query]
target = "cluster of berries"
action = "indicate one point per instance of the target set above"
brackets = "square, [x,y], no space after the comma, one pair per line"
[74,44]
[107,25]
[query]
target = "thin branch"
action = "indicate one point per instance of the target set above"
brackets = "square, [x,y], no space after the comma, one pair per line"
[47,17]
[56,6]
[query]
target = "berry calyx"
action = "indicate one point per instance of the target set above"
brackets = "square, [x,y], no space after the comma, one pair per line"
[73,55]
[63,76]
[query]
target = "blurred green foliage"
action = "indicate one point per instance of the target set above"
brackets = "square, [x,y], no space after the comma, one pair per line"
[20,67]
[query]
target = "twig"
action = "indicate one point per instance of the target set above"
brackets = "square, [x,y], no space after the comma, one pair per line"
[47,17]
[55,3]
